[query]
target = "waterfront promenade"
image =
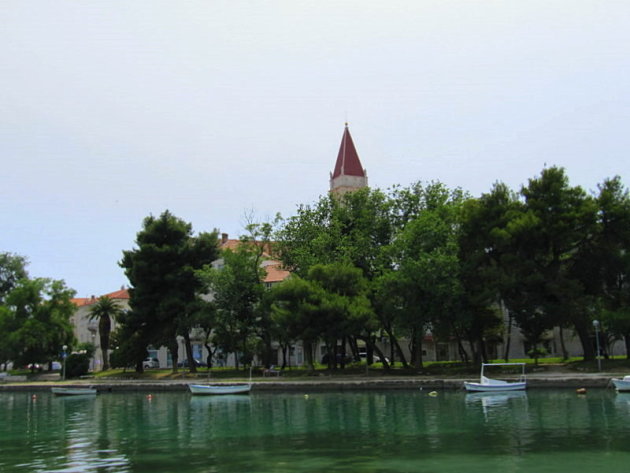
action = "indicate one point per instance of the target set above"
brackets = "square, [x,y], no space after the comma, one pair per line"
[315,383]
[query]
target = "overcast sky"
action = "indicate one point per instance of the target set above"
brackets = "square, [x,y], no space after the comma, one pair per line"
[114,110]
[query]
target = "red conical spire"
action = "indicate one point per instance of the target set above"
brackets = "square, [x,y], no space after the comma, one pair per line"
[348,162]
[348,175]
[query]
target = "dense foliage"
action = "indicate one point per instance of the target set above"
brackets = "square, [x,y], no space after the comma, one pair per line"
[34,315]
[164,289]
[406,265]
[440,263]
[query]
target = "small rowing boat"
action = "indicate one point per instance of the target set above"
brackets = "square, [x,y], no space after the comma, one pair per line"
[73,391]
[486,384]
[622,385]
[220,388]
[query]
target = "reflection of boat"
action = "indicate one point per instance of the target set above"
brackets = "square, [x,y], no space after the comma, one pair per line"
[496,385]
[488,399]
[622,385]
[622,402]
[220,388]
[73,391]
[227,399]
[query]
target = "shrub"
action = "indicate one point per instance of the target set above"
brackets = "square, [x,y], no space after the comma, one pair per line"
[77,364]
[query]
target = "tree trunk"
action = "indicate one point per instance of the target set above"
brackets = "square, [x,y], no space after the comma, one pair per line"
[189,353]
[565,353]
[416,348]
[174,348]
[308,355]
[342,361]
[585,340]
[285,347]
[396,346]
[383,357]
[104,328]
[268,355]
[210,353]
[463,354]
[474,351]
[626,339]
[508,337]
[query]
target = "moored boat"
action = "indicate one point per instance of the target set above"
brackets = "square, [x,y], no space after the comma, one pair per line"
[622,385]
[219,389]
[73,391]
[486,384]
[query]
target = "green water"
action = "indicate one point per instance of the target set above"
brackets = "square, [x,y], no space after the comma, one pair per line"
[541,431]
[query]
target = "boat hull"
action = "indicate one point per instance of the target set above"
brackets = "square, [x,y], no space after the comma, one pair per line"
[219,389]
[488,388]
[73,391]
[622,385]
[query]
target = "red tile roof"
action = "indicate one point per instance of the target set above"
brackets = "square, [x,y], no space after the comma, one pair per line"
[232,244]
[275,273]
[81,301]
[348,162]
[122,294]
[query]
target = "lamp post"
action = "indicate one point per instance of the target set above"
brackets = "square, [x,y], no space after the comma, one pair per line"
[599,361]
[93,354]
[64,355]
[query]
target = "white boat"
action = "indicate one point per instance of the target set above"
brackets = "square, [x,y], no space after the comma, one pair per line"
[622,385]
[486,384]
[220,388]
[73,391]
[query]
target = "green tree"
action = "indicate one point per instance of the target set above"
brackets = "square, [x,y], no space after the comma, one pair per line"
[345,310]
[609,259]
[35,320]
[164,289]
[484,245]
[12,269]
[423,281]
[355,228]
[104,311]
[237,289]
[297,310]
[352,228]
[549,236]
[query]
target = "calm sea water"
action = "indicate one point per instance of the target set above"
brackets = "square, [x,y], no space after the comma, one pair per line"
[540,431]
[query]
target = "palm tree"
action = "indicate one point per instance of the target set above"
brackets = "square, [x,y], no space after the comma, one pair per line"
[104,310]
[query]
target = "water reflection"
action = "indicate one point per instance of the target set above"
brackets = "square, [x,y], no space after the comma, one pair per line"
[494,403]
[386,432]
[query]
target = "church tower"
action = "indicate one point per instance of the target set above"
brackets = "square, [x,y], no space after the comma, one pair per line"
[349,174]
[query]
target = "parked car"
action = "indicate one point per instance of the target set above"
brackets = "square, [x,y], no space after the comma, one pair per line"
[375,357]
[197,363]
[35,367]
[150,363]
[55,366]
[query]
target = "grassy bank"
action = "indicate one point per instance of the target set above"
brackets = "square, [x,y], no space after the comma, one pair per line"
[430,369]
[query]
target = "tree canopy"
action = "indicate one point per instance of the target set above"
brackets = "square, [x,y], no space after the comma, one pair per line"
[164,289]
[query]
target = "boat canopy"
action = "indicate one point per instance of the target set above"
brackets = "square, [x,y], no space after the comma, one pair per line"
[522,365]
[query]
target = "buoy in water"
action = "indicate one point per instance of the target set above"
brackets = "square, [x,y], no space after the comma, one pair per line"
[34,396]
[150,397]
[306,396]
[581,390]
[433,393]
